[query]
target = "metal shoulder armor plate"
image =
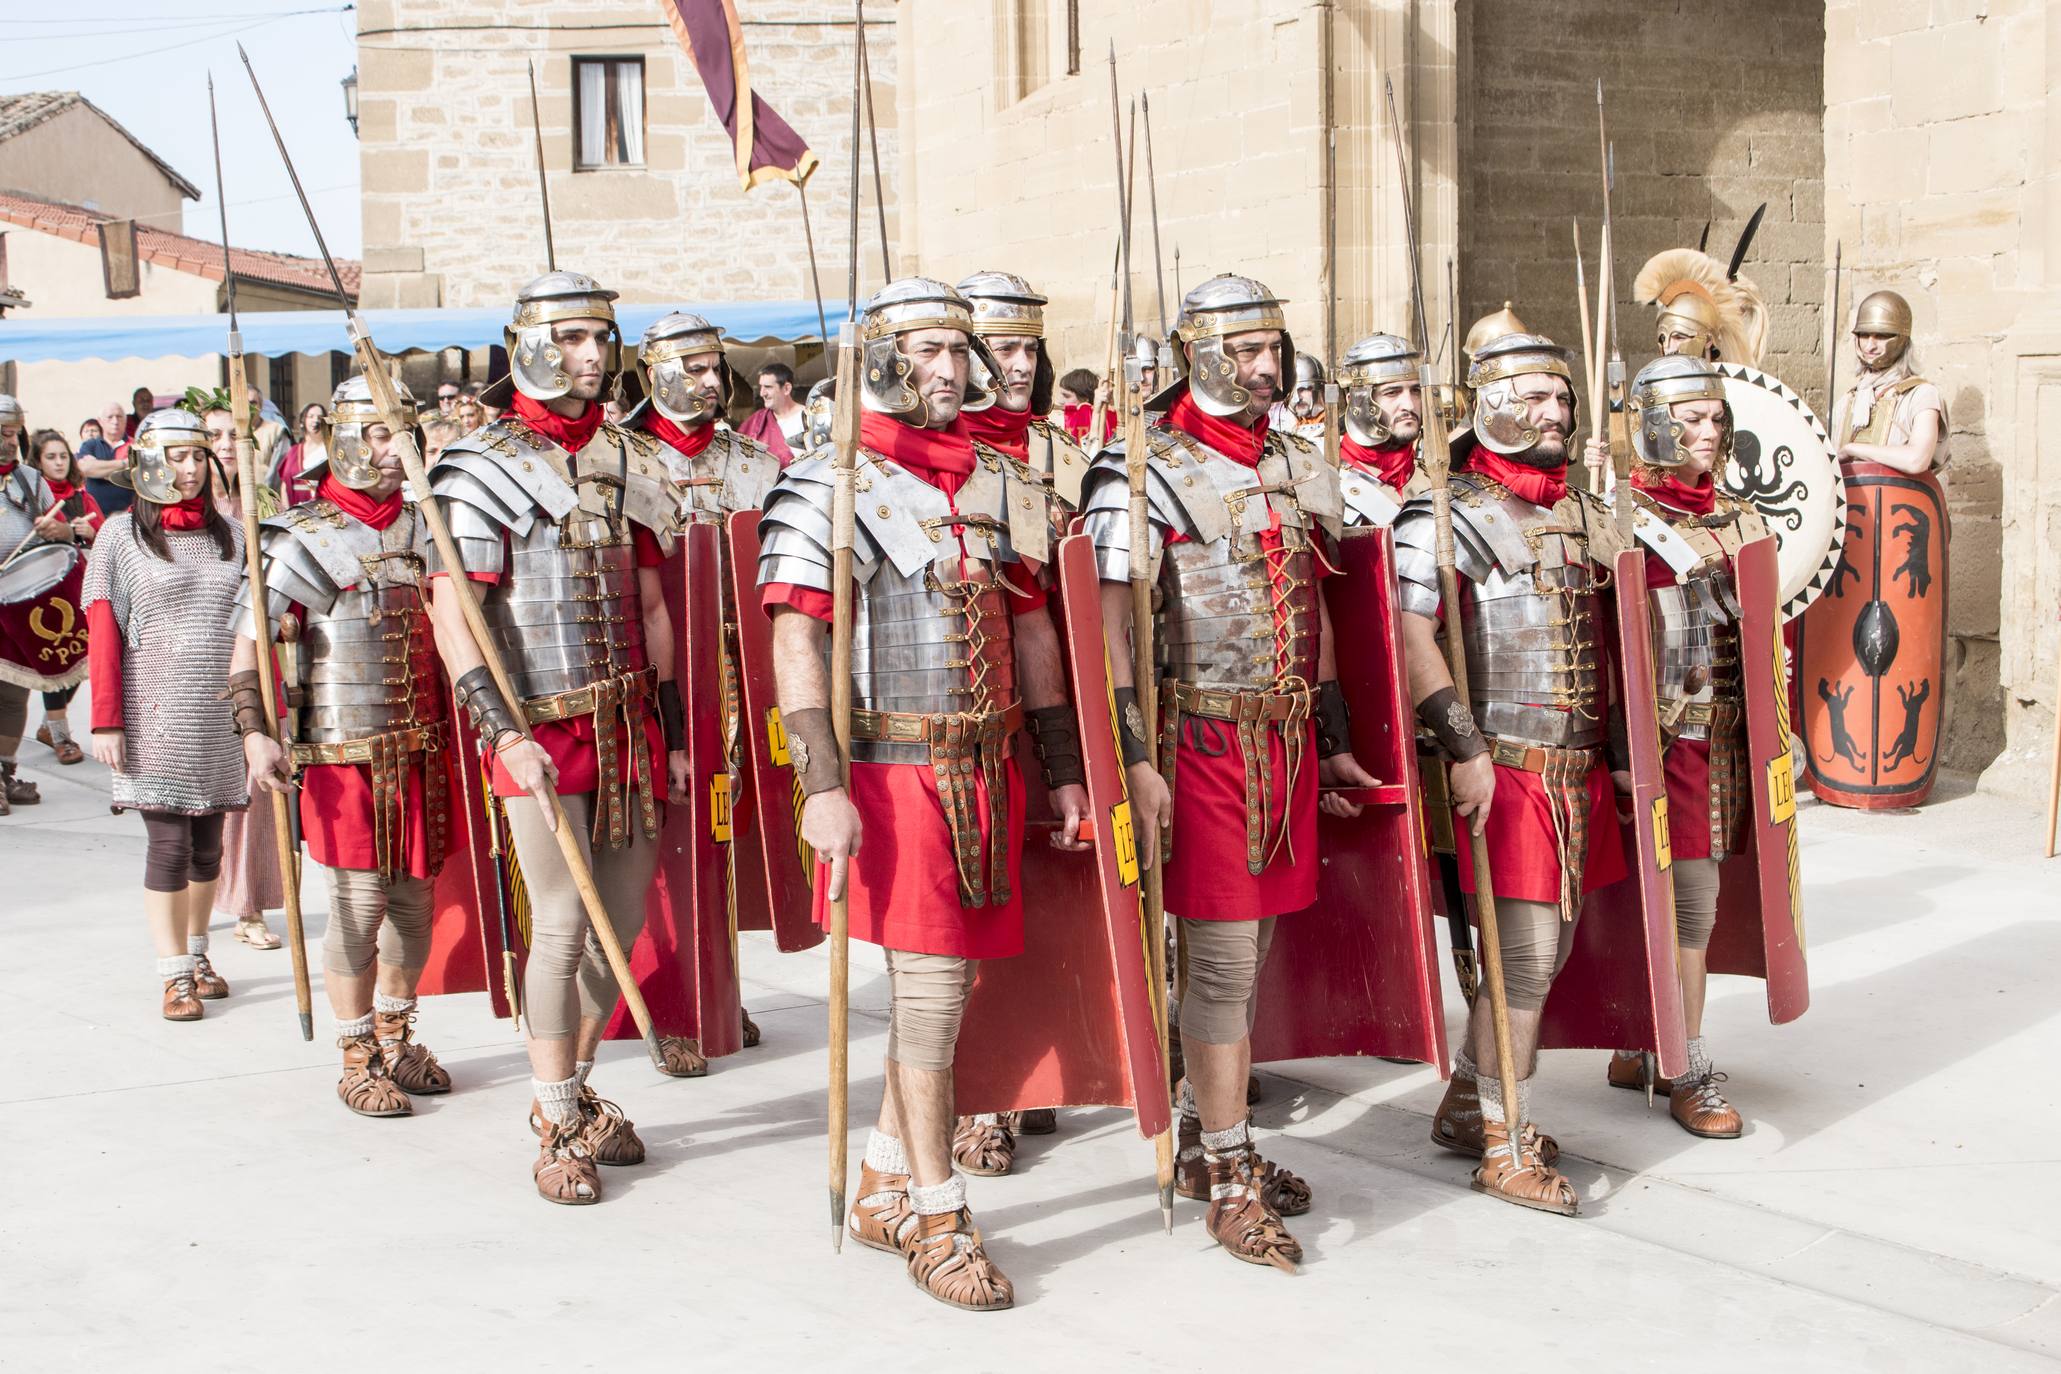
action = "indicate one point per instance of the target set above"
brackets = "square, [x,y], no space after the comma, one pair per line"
[749,471]
[1179,500]
[1368,501]
[1314,479]
[633,459]
[1026,503]
[1055,455]
[794,532]
[501,476]
[904,521]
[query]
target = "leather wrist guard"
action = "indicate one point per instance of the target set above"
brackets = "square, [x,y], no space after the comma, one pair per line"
[1617,744]
[490,712]
[812,744]
[1130,727]
[672,717]
[1334,721]
[1056,737]
[247,702]
[1451,724]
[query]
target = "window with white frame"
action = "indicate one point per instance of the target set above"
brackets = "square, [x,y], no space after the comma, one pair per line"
[608,112]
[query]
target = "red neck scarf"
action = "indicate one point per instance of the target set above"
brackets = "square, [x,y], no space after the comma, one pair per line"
[1394,464]
[60,488]
[186,515]
[1007,430]
[572,435]
[376,511]
[1540,486]
[941,457]
[1222,433]
[1671,491]
[689,442]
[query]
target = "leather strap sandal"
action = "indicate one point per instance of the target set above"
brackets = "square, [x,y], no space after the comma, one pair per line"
[880,1217]
[683,1057]
[66,749]
[607,1133]
[564,1171]
[751,1030]
[208,985]
[1456,1126]
[1283,1191]
[410,1064]
[1699,1108]
[181,1003]
[1240,1219]
[1528,1180]
[1033,1121]
[948,1261]
[983,1146]
[20,791]
[365,1086]
[1631,1074]
[252,931]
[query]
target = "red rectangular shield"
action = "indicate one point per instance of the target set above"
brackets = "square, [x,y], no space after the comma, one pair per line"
[1760,890]
[1357,972]
[773,867]
[1072,1020]
[1620,989]
[464,939]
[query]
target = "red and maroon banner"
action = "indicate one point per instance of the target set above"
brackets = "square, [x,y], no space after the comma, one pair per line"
[768,148]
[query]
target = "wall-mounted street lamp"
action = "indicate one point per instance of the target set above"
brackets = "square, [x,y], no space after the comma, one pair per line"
[350,90]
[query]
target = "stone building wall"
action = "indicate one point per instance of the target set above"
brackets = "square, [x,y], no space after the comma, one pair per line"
[78,156]
[1942,129]
[450,201]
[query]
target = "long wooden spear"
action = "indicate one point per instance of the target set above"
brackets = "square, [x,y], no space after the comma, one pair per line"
[887,267]
[1152,194]
[283,829]
[383,395]
[543,181]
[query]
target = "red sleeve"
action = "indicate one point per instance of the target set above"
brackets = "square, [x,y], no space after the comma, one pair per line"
[104,665]
[808,600]
[1024,602]
[649,554]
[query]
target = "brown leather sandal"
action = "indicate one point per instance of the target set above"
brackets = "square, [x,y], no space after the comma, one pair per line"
[1527,1181]
[1034,1121]
[411,1065]
[682,1056]
[564,1171]
[751,1030]
[948,1261]
[67,750]
[1699,1108]
[1240,1219]
[1456,1126]
[1631,1074]
[208,985]
[607,1133]
[365,1086]
[880,1215]
[20,791]
[181,1003]
[1283,1191]
[983,1146]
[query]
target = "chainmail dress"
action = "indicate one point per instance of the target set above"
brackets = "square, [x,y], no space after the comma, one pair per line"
[183,752]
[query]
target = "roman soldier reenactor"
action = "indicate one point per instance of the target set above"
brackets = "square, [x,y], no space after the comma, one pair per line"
[953,654]
[1252,717]
[1528,761]
[1890,415]
[346,574]
[1303,415]
[1384,419]
[565,519]
[1706,309]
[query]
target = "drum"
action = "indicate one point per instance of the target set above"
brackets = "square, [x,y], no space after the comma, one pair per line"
[34,571]
[43,631]
[1782,462]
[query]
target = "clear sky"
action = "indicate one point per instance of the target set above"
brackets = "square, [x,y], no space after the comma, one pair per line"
[146,63]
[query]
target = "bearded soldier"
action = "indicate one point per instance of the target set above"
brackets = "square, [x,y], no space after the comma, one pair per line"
[1528,761]
[953,653]
[345,577]
[564,519]
[1384,418]
[1691,530]
[1252,716]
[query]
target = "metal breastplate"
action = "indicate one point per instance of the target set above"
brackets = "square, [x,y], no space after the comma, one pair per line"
[566,613]
[1695,633]
[936,642]
[370,665]
[731,474]
[1218,628]
[1530,635]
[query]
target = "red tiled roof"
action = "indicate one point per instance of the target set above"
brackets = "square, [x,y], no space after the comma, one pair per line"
[200,257]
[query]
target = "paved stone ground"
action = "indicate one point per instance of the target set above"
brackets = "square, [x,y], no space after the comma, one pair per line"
[193,1197]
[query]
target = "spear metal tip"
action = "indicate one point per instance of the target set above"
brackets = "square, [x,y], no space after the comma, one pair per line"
[241,53]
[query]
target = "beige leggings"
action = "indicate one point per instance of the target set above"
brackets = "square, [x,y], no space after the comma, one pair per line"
[1224,963]
[568,976]
[927,1000]
[1536,942]
[1696,894]
[367,914]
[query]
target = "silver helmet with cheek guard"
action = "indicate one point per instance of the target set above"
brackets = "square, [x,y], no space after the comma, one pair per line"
[662,357]
[347,454]
[1502,421]
[149,473]
[535,362]
[1367,366]
[904,307]
[1005,306]
[1222,306]
[1656,433]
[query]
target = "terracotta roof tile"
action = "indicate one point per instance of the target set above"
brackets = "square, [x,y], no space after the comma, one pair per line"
[199,257]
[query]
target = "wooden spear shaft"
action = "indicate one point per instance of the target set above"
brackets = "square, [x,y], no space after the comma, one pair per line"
[843,516]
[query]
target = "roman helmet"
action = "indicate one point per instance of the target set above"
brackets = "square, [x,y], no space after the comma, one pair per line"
[662,355]
[534,361]
[902,307]
[1368,365]
[1489,328]
[11,412]
[1222,306]
[821,408]
[346,455]
[1885,312]
[1706,308]
[1005,307]
[1501,423]
[1656,433]
[149,473]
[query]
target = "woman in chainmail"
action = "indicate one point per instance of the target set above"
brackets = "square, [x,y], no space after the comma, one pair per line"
[159,591]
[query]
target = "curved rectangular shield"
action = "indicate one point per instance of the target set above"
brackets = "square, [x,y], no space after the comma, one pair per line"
[1760,890]
[464,942]
[1356,973]
[1619,989]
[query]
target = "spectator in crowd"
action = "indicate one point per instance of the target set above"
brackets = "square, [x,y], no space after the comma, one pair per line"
[141,402]
[268,433]
[89,432]
[435,436]
[99,459]
[471,414]
[781,424]
[447,399]
[60,468]
[1077,403]
[301,455]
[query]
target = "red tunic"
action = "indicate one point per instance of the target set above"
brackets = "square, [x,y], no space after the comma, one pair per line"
[903,884]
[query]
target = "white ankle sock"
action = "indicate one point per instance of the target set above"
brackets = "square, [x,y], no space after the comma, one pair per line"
[392,1006]
[948,1196]
[352,1030]
[196,944]
[580,1072]
[1215,1143]
[884,1153]
[559,1101]
[175,966]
